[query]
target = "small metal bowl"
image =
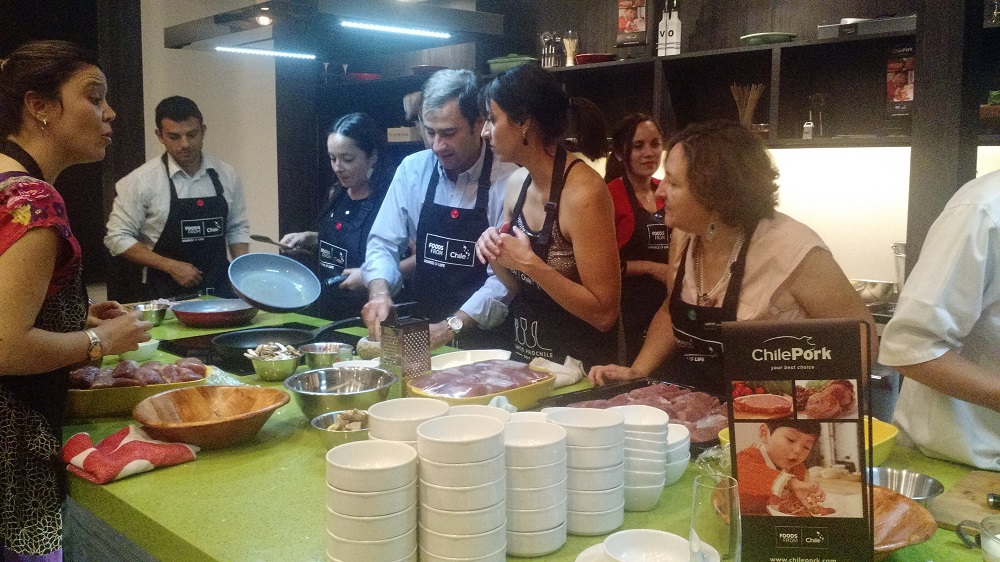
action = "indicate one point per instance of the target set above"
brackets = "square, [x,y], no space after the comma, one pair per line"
[331,438]
[275,369]
[319,355]
[914,485]
[151,312]
[339,388]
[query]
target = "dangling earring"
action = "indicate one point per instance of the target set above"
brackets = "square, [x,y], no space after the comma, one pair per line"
[524,137]
[710,231]
[45,123]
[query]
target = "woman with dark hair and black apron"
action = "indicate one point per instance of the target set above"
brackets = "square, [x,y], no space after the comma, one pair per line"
[195,233]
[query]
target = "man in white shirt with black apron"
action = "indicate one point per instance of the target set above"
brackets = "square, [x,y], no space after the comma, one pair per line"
[179,214]
[442,199]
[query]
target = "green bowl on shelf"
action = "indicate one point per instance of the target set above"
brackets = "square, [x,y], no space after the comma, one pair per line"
[767,38]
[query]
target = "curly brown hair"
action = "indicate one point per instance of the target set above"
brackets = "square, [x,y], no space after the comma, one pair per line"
[729,171]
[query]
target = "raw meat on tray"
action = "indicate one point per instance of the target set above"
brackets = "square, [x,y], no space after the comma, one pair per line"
[700,412]
[478,379]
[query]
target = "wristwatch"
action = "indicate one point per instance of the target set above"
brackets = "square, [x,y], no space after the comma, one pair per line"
[455,324]
[96,349]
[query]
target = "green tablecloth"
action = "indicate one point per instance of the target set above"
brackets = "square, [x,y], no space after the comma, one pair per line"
[264,499]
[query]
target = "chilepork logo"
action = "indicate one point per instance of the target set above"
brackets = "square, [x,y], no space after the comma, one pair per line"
[790,348]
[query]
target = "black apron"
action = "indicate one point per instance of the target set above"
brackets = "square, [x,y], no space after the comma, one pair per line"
[195,233]
[447,271]
[642,295]
[698,330]
[542,327]
[342,240]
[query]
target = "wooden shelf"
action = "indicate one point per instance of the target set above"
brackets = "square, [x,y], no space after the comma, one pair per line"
[842,142]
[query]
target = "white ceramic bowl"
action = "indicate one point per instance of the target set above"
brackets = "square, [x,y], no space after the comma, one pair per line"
[595,457]
[595,523]
[460,439]
[639,478]
[677,434]
[640,417]
[533,443]
[660,457]
[397,419]
[463,546]
[679,451]
[648,435]
[642,465]
[145,351]
[646,445]
[498,556]
[595,501]
[589,427]
[536,498]
[370,466]
[471,522]
[412,557]
[645,544]
[531,520]
[642,498]
[535,544]
[461,474]
[370,504]
[674,470]
[536,476]
[467,498]
[498,414]
[395,548]
[595,479]
[371,528]
[410,444]
[529,416]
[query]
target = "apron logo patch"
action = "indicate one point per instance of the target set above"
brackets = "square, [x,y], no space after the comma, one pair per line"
[199,229]
[442,251]
[526,339]
[332,257]
[658,239]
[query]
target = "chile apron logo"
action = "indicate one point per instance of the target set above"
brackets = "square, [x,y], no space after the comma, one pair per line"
[197,230]
[440,251]
[332,257]
[658,239]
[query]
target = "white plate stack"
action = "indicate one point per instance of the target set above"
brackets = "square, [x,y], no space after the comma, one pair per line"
[398,419]
[536,487]
[646,430]
[595,469]
[371,502]
[678,452]
[463,489]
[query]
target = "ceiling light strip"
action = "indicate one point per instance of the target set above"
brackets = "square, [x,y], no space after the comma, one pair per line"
[394,29]
[265,52]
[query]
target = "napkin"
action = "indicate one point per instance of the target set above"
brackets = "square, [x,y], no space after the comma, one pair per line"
[570,372]
[127,452]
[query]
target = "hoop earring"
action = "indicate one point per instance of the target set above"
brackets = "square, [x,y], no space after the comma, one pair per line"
[524,138]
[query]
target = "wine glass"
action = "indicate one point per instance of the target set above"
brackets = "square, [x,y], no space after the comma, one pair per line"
[715,519]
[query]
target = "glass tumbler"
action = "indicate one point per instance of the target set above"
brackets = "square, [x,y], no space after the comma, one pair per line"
[715,519]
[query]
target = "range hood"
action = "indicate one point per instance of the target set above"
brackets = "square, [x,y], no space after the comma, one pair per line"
[316,25]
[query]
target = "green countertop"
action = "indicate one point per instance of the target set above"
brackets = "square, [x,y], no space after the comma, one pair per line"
[264,499]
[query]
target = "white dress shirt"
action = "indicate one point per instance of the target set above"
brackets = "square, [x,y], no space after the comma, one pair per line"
[397,220]
[142,203]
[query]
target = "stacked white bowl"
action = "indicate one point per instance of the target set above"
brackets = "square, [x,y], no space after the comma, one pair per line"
[536,487]
[646,442]
[463,489]
[678,452]
[398,419]
[371,502]
[595,469]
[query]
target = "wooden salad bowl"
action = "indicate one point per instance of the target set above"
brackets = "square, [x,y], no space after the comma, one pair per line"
[899,522]
[210,417]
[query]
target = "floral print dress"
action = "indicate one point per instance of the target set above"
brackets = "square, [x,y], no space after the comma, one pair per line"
[31,406]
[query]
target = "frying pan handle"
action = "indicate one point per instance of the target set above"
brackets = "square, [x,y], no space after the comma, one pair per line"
[338,324]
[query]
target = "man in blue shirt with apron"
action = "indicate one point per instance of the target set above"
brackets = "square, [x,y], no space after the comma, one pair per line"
[442,199]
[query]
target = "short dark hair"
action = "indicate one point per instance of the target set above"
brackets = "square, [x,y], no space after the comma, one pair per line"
[36,66]
[177,108]
[451,84]
[809,427]
[621,143]
[729,171]
[528,91]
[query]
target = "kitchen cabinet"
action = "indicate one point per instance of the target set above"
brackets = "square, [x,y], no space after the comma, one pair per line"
[692,87]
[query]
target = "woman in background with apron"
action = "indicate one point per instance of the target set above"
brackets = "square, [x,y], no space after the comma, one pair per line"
[735,258]
[643,239]
[355,144]
[557,251]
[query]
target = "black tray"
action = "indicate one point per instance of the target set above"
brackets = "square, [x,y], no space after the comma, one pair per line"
[609,391]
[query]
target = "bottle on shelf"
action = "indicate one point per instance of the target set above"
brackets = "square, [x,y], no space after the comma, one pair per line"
[668,39]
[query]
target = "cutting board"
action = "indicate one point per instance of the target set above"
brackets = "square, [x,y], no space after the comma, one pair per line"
[966,499]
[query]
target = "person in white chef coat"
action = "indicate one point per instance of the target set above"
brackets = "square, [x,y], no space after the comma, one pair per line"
[945,334]
[181,214]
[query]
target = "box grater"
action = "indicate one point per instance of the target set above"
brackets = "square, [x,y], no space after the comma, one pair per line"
[406,349]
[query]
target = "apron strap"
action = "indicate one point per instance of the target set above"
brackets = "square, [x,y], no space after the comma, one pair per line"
[212,174]
[483,193]
[21,156]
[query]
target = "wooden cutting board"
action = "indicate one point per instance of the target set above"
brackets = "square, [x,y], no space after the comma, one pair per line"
[966,499]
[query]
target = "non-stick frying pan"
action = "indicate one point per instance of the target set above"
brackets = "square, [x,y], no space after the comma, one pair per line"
[214,313]
[232,345]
